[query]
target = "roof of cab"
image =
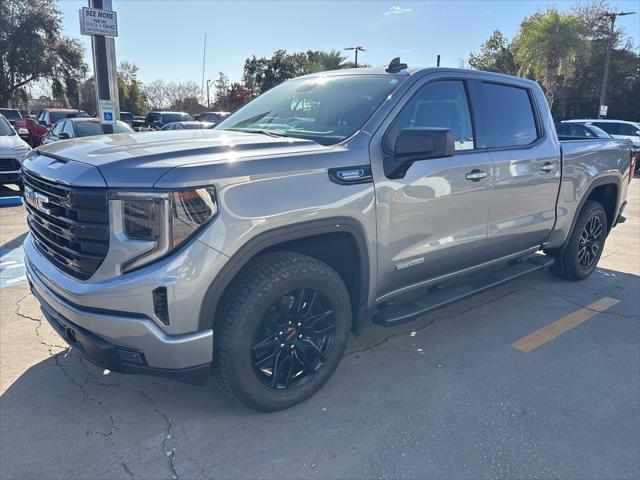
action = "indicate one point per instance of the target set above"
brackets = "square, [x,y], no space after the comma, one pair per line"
[413,71]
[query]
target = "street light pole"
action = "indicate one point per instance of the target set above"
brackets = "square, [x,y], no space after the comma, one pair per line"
[357,49]
[603,92]
[208,102]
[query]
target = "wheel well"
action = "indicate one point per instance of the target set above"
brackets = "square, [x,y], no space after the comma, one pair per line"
[344,251]
[607,196]
[338,250]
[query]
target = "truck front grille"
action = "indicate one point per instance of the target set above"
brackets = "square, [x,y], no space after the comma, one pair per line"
[9,164]
[70,226]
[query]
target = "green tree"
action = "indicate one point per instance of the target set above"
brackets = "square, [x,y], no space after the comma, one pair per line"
[87,93]
[262,74]
[130,93]
[496,55]
[547,47]
[33,48]
[221,91]
[238,96]
[330,60]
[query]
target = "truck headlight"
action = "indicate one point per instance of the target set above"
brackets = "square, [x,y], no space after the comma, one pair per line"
[157,223]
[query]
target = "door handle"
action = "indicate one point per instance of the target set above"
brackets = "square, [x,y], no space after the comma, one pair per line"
[475,175]
[548,167]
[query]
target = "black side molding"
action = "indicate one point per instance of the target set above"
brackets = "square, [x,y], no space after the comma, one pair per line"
[351,175]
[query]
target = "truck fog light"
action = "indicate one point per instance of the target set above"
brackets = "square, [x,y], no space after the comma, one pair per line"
[129,356]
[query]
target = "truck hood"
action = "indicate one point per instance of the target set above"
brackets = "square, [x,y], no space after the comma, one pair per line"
[13,145]
[138,160]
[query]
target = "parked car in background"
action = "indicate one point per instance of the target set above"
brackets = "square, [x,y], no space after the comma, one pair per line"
[11,114]
[81,127]
[13,150]
[257,247]
[127,117]
[139,124]
[214,117]
[188,125]
[615,128]
[38,129]
[579,130]
[160,119]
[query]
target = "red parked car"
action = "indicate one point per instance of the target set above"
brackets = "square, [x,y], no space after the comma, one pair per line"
[39,128]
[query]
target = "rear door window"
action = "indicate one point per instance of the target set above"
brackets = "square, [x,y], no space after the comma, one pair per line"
[508,116]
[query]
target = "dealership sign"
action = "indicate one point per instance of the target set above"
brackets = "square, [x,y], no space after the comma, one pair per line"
[94,21]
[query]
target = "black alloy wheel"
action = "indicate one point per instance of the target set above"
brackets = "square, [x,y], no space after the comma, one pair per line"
[280,330]
[294,338]
[590,244]
[578,257]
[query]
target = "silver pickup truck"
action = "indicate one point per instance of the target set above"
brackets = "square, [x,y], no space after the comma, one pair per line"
[331,201]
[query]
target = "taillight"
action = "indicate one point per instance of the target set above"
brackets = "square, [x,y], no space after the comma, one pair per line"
[634,163]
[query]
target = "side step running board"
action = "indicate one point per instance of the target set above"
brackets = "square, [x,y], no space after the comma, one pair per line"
[398,313]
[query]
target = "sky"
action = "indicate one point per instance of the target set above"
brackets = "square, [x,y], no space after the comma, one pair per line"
[165,38]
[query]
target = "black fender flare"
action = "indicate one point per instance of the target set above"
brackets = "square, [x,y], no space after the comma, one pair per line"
[281,235]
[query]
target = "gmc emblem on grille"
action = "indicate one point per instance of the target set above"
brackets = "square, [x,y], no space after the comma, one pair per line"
[36,199]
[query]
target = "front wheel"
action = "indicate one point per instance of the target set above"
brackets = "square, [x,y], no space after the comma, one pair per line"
[582,250]
[281,330]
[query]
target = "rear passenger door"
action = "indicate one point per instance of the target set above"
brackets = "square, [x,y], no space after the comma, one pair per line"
[526,167]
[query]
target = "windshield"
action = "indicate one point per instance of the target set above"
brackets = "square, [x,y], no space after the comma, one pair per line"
[327,110]
[175,117]
[55,116]
[10,114]
[5,127]
[87,129]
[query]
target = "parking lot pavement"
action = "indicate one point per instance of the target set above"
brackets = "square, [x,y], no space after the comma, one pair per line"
[447,396]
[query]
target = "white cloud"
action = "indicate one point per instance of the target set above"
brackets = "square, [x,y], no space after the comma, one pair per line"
[397,10]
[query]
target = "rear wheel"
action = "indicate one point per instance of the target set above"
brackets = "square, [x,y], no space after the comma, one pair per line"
[281,330]
[581,253]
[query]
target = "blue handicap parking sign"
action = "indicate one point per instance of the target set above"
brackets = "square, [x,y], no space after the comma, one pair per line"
[108,116]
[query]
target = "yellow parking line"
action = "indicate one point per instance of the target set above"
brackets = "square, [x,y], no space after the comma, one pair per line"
[551,331]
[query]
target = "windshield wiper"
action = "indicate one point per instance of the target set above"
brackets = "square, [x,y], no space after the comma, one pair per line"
[270,133]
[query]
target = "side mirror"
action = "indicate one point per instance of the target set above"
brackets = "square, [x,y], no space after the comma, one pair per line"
[63,136]
[415,144]
[23,132]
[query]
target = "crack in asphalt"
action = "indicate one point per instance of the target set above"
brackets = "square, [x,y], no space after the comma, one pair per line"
[169,443]
[431,322]
[82,386]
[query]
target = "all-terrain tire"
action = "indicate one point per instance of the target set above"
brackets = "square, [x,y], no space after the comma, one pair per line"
[244,304]
[568,261]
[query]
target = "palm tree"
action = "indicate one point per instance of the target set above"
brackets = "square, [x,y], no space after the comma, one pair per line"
[547,46]
[330,60]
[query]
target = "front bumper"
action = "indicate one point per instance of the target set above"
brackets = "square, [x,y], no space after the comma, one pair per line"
[107,355]
[102,334]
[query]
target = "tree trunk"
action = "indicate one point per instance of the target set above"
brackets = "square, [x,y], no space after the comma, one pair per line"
[551,78]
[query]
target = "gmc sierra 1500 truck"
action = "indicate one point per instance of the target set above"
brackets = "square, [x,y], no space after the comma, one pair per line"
[330,201]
